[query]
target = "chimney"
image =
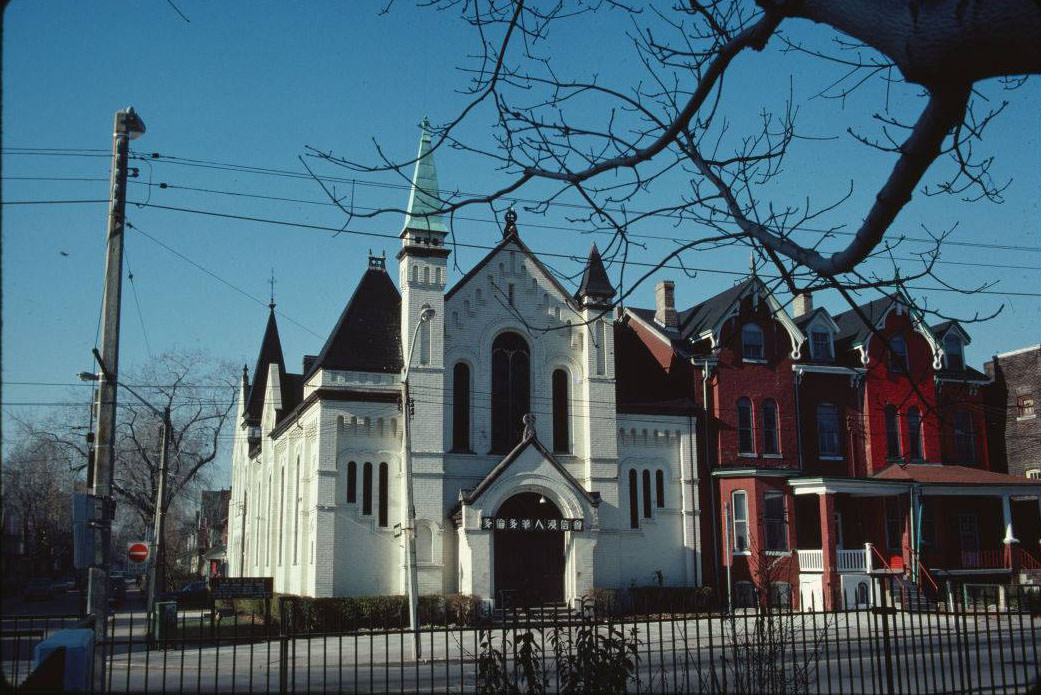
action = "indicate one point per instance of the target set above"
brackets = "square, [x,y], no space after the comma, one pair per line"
[802,304]
[665,304]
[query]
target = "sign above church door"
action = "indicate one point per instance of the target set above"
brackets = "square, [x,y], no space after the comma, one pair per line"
[502,523]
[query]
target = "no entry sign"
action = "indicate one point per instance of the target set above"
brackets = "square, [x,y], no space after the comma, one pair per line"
[137,552]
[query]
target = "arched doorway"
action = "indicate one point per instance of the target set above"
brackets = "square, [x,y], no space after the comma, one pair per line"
[529,562]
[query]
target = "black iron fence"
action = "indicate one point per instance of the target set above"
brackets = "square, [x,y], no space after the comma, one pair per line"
[287,646]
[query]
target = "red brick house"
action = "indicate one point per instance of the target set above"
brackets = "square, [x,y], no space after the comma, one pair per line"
[841,449]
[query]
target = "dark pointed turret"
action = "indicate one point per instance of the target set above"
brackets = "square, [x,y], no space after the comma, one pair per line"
[596,289]
[270,353]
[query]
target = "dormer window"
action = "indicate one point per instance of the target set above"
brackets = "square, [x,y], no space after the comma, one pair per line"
[897,354]
[752,347]
[820,345]
[955,354]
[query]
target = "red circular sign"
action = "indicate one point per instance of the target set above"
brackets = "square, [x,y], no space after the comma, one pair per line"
[137,552]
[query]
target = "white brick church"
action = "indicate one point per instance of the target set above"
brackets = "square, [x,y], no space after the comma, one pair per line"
[596,488]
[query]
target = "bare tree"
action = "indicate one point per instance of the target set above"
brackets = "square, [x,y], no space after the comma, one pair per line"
[608,142]
[200,392]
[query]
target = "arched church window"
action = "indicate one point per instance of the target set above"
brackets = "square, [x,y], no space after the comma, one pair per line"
[383,496]
[426,275]
[634,503]
[659,487]
[646,494]
[366,489]
[511,390]
[560,412]
[461,407]
[424,341]
[352,482]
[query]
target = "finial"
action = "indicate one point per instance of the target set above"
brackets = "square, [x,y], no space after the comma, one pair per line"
[245,375]
[425,125]
[511,222]
[529,425]
[272,283]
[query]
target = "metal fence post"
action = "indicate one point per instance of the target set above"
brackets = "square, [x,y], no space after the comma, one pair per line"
[887,649]
[283,646]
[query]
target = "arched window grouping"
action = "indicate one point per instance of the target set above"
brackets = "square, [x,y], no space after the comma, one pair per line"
[382,490]
[511,390]
[649,497]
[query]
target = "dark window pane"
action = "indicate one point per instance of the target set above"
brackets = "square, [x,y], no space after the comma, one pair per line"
[383,495]
[892,433]
[461,408]
[352,482]
[647,494]
[634,502]
[560,412]
[744,427]
[770,427]
[511,390]
[914,434]
[366,489]
[659,487]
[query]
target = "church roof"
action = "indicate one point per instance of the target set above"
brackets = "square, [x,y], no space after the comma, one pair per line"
[367,338]
[270,353]
[425,197]
[595,282]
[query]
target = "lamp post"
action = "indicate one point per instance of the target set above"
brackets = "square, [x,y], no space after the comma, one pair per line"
[406,462]
[127,126]
[156,574]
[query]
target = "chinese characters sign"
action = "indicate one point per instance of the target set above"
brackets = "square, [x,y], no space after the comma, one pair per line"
[498,523]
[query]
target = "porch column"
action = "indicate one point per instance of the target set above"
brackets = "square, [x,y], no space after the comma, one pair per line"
[1006,512]
[829,552]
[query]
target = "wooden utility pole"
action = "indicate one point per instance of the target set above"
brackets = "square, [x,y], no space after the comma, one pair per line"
[126,127]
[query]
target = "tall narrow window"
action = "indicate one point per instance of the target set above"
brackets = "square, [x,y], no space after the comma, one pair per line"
[352,482]
[511,390]
[892,433]
[646,494]
[914,434]
[752,347]
[461,407]
[828,430]
[897,354]
[964,437]
[297,493]
[659,487]
[383,496]
[424,342]
[739,517]
[366,489]
[770,444]
[955,355]
[745,444]
[560,412]
[281,510]
[634,502]
[774,522]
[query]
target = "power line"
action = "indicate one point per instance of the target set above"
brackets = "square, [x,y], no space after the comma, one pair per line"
[394,237]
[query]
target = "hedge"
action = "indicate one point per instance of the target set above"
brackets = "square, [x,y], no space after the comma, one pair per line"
[305,614]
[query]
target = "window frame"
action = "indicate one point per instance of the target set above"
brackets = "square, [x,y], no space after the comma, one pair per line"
[1025,407]
[964,426]
[949,340]
[904,365]
[774,523]
[560,382]
[828,452]
[829,355]
[634,499]
[771,431]
[461,408]
[735,522]
[894,440]
[915,434]
[752,328]
[745,429]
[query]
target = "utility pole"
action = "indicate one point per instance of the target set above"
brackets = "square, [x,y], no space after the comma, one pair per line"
[127,126]
[157,574]
[410,505]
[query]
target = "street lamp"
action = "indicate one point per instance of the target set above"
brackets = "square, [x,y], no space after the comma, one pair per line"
[425,316]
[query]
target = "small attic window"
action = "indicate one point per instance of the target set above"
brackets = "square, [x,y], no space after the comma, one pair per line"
[897,354]
[820,345]
[955,353]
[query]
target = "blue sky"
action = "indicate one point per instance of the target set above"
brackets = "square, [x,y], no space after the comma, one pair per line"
[256,83]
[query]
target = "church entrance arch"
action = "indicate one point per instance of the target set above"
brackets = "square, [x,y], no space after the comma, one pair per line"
[529,562]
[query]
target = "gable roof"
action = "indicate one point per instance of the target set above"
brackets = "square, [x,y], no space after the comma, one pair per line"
[270,353]
[595,283]
[530,440]
[367,338]
[853,329]
[704,316]
[513,238]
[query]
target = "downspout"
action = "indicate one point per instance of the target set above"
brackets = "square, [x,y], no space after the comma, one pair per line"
[796,378]
[717,549]
[694,476]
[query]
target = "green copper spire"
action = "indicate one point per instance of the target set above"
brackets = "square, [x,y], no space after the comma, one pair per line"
[425,196]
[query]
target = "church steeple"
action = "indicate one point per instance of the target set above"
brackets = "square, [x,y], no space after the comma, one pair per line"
[270,353]
[596,289]
[423,226]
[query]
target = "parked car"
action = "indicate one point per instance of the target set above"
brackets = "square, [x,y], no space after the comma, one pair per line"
[38,589]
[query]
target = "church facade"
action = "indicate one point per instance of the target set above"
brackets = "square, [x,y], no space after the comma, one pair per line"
[541,464]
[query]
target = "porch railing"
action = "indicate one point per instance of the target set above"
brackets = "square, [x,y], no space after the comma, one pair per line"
[810,560]
[1028,561]
[983,559]
[854,560]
